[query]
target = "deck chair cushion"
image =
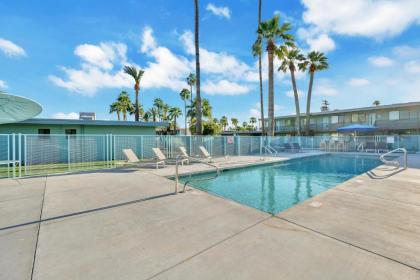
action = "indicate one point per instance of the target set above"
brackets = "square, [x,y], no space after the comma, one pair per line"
[183,152]
[158,153]
[130,155]
[204,152]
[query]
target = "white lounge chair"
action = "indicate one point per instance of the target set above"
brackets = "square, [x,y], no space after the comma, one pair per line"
[130,156]
[185,156]
[160,157]
[205,153]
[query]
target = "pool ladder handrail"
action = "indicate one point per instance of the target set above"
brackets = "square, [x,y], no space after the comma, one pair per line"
[270,150]
[394,162]
[179,158]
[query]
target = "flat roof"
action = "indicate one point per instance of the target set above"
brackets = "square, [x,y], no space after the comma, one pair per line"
[93,122]
[370,108]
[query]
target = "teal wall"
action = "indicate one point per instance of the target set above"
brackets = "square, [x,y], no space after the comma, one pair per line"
[80,129]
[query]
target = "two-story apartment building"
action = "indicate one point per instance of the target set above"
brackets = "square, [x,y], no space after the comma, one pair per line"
[403,118]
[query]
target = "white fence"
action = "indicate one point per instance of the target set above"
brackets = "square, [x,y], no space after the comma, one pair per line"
[30,155]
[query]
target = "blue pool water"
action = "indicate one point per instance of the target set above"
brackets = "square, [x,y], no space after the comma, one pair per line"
[275,187]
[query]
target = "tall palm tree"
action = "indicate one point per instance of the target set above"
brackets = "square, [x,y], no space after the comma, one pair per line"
[174,113]
[224,122]
[165,111]
[191,80]
[234,122]
[154,113]
[198,125]
[290,58]
[260,76]
[147,116]
[185,95]
[270,32]
[136,74]
[376,103]
[315,62]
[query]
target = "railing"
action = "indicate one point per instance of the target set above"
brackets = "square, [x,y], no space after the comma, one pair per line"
[270,150]
[179,159]
[394,162]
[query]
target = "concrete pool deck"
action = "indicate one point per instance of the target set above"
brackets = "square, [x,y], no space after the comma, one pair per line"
[127,224]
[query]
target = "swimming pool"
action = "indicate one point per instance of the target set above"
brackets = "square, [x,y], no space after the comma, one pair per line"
[275,187]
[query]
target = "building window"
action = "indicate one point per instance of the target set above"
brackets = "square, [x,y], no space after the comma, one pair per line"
[354,118]
[404,115]
[70,131]
[334,119]
[394,115]
[44,131]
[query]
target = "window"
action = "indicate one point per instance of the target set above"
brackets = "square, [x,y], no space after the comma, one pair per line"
[362,118]
[354,118]
[394,115]
[70,131]
[404,115]
[334,119]
[44,131]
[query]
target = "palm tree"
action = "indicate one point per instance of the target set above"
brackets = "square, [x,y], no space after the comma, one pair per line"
[270,31]
[174,113]
[154,113]
[115,108]
[253,121]
[260,76]
[125,104]
[198,125]
[376,103]
[291,57]
[185,95]
[224,122]
[165,110]
[147,116]
[191,80]
[158,104]
[136,74]
[234,122]
[315,61]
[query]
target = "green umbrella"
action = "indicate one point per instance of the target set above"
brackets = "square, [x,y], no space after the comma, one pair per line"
[15,108]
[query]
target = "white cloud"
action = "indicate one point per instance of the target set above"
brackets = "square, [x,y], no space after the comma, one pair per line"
[11,49]
[412,67]
[254,111]
[3,84]
[325,88]
[358,82]
[406,51]
[148,41]
[67,116]
[219,11]
[224,87]
[323,43]
[370,18]
[381,61]
[103,56]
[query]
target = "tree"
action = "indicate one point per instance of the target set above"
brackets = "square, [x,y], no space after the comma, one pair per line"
[315,61]
[234,122]
[147,116]
[197,69]
[125,104]
[270,32]
[224,122]
[158,104]
[325,106]
[174,113]
[115,108]
[290,58]
[165,111]
[376,103]
[185,95]
[136,74]
[253,121]
[154,113]
[191,80]
[260,76]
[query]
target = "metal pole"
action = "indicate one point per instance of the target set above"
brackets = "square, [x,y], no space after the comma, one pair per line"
[8,156]
[142,146]
[20,154]
[68,152]
[114,152]
[25,154]
[14,154]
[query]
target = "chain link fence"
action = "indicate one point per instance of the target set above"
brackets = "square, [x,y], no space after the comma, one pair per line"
[32,155]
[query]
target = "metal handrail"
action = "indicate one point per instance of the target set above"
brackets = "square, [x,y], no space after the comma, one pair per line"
[394,162]
[270,149]
[180,158]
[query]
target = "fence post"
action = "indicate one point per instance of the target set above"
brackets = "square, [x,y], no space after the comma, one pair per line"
[260,145]
[239,145]
[20,154]
[142,147]
[14,155]
[8,156]
[114,152]
[68,152]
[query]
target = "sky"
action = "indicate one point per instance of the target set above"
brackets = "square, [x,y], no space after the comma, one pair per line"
[68,55]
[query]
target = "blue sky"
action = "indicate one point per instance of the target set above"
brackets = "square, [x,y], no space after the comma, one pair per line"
[68,55]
